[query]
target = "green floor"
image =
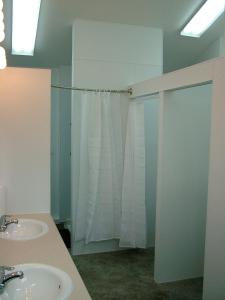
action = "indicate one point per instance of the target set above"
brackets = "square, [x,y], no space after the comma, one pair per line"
[128,275]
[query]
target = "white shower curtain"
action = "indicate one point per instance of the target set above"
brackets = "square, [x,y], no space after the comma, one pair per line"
[103,192]
[99,166]
[133,220]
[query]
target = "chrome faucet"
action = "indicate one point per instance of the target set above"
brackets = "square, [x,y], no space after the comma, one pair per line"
[4,278]
[5,221]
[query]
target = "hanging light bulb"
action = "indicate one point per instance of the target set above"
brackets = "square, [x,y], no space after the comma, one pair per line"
[2,58]
[2,36]
[2,26]
[3,62]
[2,33]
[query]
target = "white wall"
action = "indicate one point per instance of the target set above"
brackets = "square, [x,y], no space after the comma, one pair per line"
[182,184]
[214,271]
[25,139]
[213,70]
[216,49]
[110,55]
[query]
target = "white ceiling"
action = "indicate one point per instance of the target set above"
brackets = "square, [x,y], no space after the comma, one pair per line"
[53,44]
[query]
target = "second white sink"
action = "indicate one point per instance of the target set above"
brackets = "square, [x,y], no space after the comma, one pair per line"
[26,229]
[40,282]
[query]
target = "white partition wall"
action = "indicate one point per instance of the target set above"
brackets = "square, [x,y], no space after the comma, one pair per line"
[214,274]
[184,223]
[183,184]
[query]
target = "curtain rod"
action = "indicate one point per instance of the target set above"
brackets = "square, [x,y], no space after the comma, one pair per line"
[129,91]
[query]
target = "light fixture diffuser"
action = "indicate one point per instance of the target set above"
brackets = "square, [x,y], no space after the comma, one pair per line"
[204,18]
[24,27]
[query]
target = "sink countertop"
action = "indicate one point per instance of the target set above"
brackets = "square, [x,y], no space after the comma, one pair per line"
[48,249]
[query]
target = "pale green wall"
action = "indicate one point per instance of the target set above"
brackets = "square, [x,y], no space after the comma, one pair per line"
[61,145]
[183,184]
[215,49]
[151,141]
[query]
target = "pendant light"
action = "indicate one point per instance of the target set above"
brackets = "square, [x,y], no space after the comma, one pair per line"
[3,62]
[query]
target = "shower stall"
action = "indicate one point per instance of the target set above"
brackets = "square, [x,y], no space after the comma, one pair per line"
[113,171]
[147,169]
[159,153]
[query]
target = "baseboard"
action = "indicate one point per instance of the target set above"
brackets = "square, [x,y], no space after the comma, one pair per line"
[79,248]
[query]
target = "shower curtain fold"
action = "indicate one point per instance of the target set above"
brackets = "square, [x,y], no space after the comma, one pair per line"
[99,182]
[133,218]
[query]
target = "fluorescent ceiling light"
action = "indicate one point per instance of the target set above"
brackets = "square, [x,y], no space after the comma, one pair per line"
[204,18]
[25,21]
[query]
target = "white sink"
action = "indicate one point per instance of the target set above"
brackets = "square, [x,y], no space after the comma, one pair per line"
[26,229]
[40,282]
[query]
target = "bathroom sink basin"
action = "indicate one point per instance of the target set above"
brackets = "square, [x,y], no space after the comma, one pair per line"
[40,282]
[26,229]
